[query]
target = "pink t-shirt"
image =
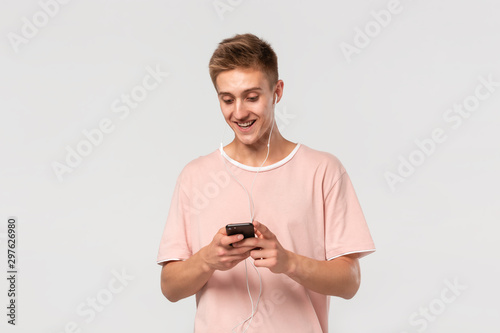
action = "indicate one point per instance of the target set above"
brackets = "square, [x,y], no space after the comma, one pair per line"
[307,200]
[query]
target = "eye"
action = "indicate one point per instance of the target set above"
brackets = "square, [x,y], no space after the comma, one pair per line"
[227,100]
[253,99]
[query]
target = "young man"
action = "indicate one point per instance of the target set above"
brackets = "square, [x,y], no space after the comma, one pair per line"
[309,226]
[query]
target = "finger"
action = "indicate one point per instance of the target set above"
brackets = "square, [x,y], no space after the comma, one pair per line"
[258,234]
[263,253]
[252,242]
[263,230]
[226,240]
[256,230]
[237,258]
[255,224]
[239,251]
[265,262]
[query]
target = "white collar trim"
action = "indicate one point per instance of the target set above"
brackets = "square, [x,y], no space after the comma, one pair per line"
[265,168]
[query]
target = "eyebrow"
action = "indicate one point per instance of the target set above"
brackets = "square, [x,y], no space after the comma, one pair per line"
[244,91]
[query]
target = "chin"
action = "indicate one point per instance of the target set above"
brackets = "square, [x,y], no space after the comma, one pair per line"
[246,142]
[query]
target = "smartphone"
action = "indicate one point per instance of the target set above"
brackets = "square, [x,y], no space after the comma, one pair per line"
[246,229]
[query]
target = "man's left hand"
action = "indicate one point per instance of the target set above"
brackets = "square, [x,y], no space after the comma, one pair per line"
[269,252]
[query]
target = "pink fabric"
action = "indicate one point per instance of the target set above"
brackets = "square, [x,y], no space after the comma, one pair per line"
[307,200]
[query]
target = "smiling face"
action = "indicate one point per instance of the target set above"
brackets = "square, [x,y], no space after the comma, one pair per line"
[246,101]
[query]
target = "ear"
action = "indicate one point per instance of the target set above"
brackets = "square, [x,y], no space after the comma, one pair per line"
[279,91]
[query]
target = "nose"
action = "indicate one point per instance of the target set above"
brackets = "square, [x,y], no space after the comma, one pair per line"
[239,110]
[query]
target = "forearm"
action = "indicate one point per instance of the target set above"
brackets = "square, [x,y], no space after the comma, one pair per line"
[181,279]
[337,277]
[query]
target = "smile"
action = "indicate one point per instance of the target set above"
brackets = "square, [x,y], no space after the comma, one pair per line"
[246,125]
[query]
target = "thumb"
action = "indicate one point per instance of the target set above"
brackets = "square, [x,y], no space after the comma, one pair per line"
[263,230]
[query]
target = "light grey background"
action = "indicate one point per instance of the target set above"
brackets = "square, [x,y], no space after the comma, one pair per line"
[438,227]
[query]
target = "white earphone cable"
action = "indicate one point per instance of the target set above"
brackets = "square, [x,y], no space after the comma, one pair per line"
[252,214]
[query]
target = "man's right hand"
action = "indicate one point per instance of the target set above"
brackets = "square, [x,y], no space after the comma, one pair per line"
[219,255]
[180,279]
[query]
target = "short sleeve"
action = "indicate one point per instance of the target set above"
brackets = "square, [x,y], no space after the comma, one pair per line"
[346,230]
[175,241]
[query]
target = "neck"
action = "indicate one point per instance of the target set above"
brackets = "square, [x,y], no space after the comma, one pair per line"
[254,155]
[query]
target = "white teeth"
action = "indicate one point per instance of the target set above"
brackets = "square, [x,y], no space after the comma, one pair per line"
[245,124]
